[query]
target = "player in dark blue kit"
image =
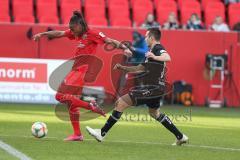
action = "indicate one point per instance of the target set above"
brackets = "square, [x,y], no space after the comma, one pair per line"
[150,92]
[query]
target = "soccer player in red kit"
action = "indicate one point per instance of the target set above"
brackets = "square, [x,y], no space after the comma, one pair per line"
[88,40]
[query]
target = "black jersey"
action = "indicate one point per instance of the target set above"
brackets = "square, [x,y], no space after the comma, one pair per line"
[154,70]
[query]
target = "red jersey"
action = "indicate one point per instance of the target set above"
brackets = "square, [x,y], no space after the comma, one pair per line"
[87,42]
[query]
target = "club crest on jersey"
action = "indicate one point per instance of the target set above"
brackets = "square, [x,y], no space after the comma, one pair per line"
[101,34]
[84,36]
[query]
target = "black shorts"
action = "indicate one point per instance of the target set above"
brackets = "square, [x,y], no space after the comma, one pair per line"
[149,95]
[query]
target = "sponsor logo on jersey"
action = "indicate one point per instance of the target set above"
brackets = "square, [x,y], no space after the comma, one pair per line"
[84,36]
[102,34]
[81,45]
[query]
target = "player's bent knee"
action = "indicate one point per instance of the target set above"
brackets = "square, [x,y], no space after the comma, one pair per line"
[58,96]
[120,105]
[73,109]
[154,113]
[116,103]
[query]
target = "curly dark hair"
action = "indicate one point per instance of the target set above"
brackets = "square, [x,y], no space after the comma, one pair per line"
[77,18]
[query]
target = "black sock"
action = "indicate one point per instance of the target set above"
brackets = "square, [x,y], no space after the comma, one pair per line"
[110,122]
[167,123]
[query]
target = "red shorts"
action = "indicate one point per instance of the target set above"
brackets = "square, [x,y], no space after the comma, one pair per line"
[74,81]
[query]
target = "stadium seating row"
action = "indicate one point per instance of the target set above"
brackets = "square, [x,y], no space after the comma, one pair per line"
[118,12]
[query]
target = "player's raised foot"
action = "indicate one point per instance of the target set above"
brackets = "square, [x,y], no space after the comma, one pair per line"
[179,142]
[96,108]
[96,133]
[74,138]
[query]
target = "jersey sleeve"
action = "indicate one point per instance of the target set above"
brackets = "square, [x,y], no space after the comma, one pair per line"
[161,51]
[69,34]
[98,37]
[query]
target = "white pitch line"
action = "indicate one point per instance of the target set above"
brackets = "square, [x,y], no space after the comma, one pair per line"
[187,145]
[149,143]
[214,147]
[12,151]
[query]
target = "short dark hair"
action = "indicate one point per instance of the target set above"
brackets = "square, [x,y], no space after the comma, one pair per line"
[155,33]
[77,18]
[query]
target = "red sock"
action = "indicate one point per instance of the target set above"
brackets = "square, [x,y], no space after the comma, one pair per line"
[80,103]
[64,98]
[74,117]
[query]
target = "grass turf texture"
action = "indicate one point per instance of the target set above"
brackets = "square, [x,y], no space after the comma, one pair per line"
[212,133]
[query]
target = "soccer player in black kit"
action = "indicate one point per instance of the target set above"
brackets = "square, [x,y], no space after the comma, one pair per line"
[150,91]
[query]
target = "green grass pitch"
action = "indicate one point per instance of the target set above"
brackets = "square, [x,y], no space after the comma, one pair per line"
[214,134]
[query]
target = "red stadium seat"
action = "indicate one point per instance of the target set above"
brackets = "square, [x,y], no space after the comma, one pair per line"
[4,7]
[116,12]
[115,8]
[123,22]
[24,19]
[49,20]
[119,3]
[234,13]
[205,2]
[164,8]
[141,2]
[140,10]
[47,11]
[212,10]
[67,8]
[118,9]
[4,11]
[180,2]
[75,2]
[119,14]
[46,2]
[71,3]
[139,15]
[94,11]
[23,11]
[94,3]
[22,7]
[4,2]
[97,21]
[5,18]
[188,8]
[23,1]
[157,1]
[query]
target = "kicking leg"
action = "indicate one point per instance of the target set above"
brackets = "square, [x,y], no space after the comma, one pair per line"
[121,104]
[75,101]
[168,124]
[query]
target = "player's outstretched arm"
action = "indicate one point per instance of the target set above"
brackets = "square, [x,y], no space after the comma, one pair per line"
[164,57]
[117,44]
[49,34]
[130,69]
